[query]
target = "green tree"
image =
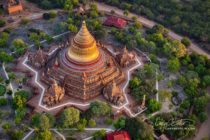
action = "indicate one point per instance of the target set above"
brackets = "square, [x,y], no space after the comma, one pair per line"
[158,28]
[6,126]
[126,12]
[138,25]
[178,49]
[12,76]
[44,135]
[182,80]
[16,134]
[153,105]
[69,117]
[201,102]
[20,114]
[92,123]
[149,71]
[19,45]
[24,21]
[72,28]
[202,116]
[68,5]
[61,27]
[3,102]
[4,57]
[120,123]
[100,134]
[2,23]
[46,4]
[19,102]
[4,39]
[93,10]
[173,65]
[99,108]
[40,122]
[134,83]
[93,7]
[186,41]
[157,38]
[82,124]
[138,129]
[2,90]
[185,104]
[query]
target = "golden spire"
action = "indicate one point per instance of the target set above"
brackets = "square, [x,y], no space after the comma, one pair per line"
[83,46]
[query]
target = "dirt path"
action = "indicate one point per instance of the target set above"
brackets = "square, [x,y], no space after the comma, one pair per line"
[148,23]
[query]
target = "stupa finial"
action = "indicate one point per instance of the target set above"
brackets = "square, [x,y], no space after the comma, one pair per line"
[84,23]
[83,47]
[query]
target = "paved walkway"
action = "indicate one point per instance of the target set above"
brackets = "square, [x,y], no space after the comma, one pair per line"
[7,77]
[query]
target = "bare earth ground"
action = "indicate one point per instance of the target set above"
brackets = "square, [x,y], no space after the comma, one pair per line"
[30,12]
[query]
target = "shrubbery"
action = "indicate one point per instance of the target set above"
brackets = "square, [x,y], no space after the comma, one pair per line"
[2,90]
[3,101]
[49,15]
[2,23]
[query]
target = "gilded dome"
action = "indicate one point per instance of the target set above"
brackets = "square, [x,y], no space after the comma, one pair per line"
[83,46]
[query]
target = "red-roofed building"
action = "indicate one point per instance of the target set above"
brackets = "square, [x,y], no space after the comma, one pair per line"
[12,6]
[118,135]
[115,21]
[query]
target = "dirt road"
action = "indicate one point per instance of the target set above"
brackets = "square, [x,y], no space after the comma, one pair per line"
[148,23]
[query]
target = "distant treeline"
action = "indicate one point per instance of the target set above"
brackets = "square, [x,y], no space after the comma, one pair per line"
[188,17]
[49,4]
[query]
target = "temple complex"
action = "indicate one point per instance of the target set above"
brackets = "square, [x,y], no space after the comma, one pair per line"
[125,58]
[12,6]
[83,68]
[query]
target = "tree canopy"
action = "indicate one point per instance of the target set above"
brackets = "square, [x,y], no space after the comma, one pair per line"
[99,108]
[69,117]
[139,129]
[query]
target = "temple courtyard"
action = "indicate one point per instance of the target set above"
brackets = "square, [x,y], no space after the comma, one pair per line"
[37,100]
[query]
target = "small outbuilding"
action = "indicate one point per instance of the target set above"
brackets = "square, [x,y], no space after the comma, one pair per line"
[118,135]
[12,6]
[115,21]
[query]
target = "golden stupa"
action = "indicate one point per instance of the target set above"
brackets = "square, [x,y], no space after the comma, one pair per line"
[83,46]
[83,68]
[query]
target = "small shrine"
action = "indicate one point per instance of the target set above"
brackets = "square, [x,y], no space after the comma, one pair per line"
[38,59]
[126,58]
[54,94]
[114,94]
